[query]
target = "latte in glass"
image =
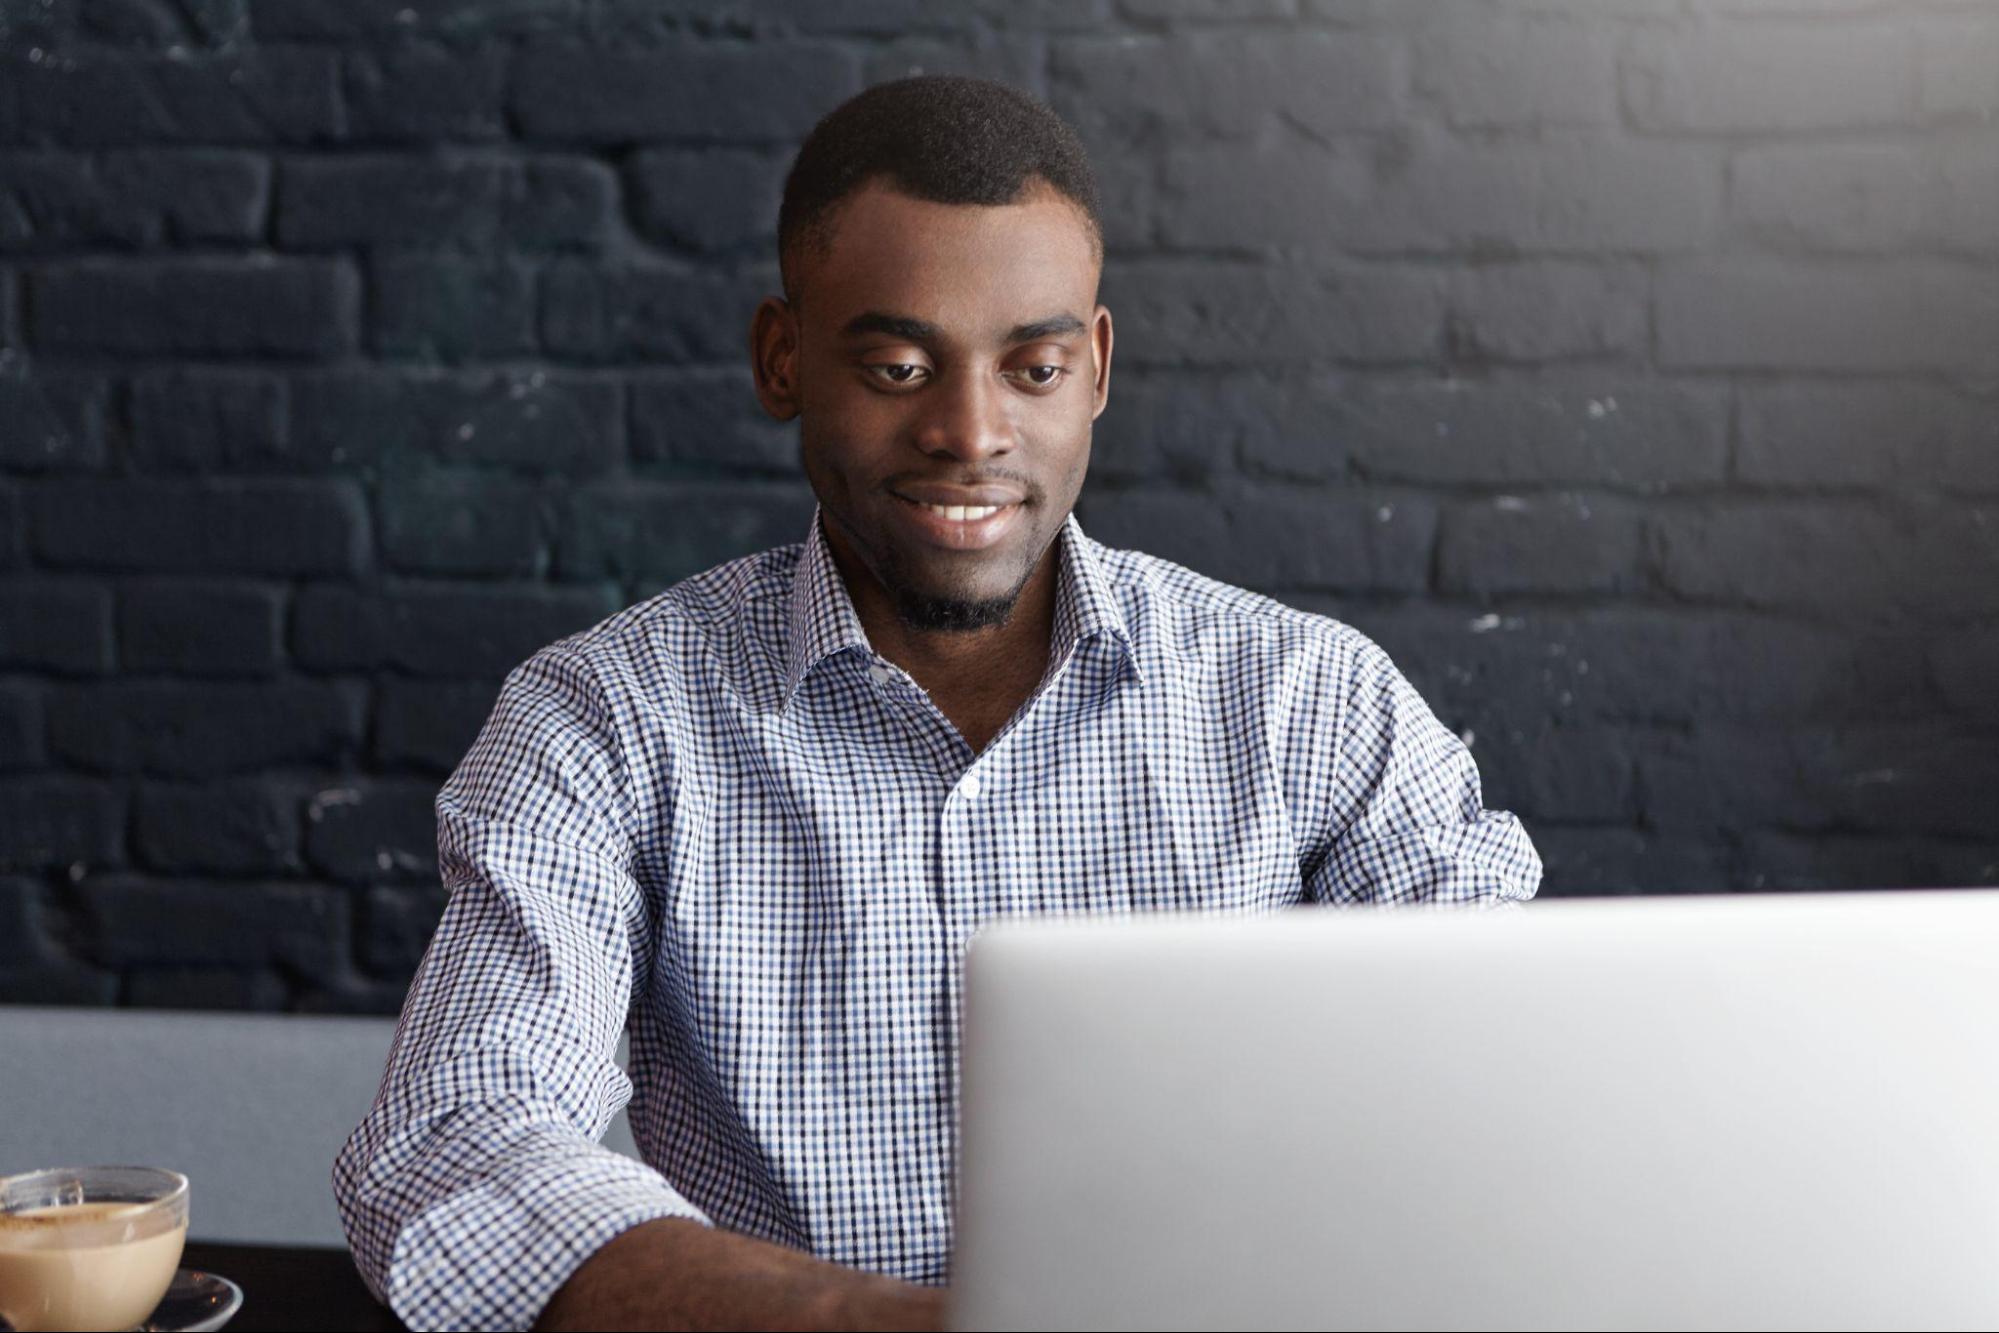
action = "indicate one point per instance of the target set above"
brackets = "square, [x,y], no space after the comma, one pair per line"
[89,1247]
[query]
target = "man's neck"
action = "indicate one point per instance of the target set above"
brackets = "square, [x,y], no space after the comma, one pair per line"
[978,678]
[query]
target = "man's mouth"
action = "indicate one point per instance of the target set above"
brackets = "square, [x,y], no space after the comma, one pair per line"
[958,527]
[964,513]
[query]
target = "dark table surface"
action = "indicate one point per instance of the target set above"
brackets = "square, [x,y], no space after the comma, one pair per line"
[286,1288]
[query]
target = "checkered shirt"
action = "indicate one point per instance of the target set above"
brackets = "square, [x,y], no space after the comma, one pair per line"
[720,821]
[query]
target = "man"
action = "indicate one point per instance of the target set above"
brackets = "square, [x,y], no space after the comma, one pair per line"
[758,817]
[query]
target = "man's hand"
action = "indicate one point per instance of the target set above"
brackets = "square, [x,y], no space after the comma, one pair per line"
[675,1273]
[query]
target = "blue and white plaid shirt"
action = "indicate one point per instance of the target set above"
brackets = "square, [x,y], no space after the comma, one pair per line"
[720,818]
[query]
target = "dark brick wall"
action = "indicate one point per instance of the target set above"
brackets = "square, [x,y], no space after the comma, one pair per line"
[1629,369]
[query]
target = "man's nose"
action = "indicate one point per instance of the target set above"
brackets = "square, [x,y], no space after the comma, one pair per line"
[966,417]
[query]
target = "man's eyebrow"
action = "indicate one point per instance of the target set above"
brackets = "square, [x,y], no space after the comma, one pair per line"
[900,326]
[1053,327]
[922,331]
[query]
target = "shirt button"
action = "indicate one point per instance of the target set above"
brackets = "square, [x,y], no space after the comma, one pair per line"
[881,674]
[968,786]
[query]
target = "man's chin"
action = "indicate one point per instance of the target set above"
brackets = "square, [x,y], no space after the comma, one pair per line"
[947,613]
[962,591]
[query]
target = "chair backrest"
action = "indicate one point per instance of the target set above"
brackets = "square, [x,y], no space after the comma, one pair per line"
[250,1107]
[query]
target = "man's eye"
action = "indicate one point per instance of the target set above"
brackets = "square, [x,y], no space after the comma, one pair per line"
[902,374]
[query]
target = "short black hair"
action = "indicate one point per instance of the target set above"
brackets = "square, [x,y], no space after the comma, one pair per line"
[944,138]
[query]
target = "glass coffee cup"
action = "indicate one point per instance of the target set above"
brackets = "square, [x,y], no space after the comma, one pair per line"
[89,1247]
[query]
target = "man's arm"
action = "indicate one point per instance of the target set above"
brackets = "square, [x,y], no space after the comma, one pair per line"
[476,1186]
[677,1274]
[1401,813]
[475,1193]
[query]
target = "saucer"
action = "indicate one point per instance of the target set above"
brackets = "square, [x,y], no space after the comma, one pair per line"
[195,1303]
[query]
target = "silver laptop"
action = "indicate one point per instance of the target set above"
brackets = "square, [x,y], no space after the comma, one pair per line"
[1709,1112]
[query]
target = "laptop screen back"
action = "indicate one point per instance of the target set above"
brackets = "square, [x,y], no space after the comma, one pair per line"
[1739,1112]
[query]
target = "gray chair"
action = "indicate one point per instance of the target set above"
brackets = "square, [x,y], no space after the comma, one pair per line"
[250,1107]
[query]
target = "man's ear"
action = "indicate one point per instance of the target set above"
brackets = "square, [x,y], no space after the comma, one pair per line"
[774,357]
[1100,354]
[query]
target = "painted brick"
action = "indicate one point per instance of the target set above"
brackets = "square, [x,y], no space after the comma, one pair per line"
[1014,59]
[1227,197]
[200,729]
[1563,193]
[439,629]
[417,94]
[171,922]
[1966,665]
[452,20]
[775,93]
[58,822]
[207,421]
[200,628]
[1747,77]
[1173,426]
[1866,436]
[463,524]
[1958,66]
[445,203]
[428,724]
[1780,861]
[1837,197]
[55,624]
[238,826]
[20,727]
[708,200]
[1496,68]
[1616,431]
[165,23]
[1902,316]
[51,423]
[93,98]
[1550,310]
[593,312]
[531,419]
[1547,544]
[1596,861]
[1276,537]
[659,532]
[196,307]
[1228,84]
[1624,366]
[1220,313]
[437,307]
[375,831]
[1923,559]
[1962,210]
[710,420]
[220,526]
[136,198]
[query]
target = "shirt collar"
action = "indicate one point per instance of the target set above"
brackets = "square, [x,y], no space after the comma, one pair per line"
[823,621]
[1086,606]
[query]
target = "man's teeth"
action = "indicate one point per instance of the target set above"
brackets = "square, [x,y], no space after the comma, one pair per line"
[964,513]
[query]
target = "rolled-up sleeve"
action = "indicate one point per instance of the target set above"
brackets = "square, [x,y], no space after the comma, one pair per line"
[476,1186]
[1402,819]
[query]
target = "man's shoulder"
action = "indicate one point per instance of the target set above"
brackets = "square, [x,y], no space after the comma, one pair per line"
[721,596]
[1200,617]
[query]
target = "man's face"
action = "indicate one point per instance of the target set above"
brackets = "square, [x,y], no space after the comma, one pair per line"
[948,363]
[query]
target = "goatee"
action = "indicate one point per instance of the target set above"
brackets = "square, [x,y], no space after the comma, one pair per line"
[920,612]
